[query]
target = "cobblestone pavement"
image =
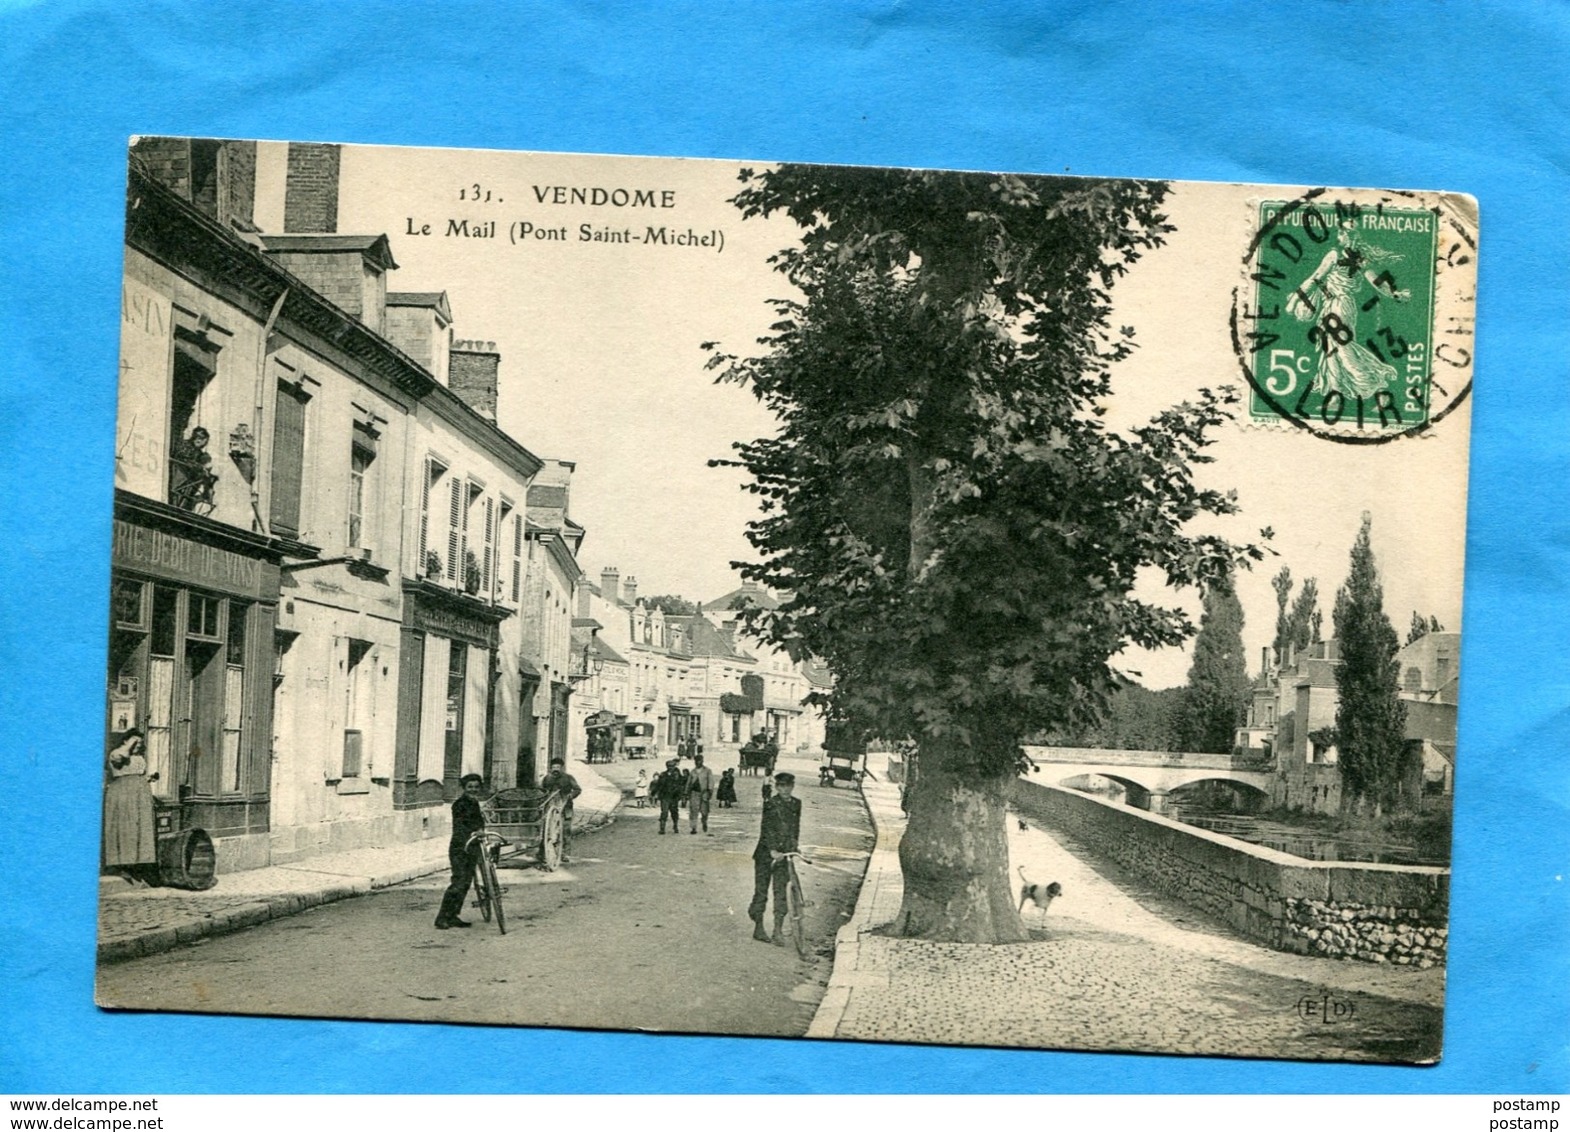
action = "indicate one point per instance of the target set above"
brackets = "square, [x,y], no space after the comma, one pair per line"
[135,920]
[1111,967]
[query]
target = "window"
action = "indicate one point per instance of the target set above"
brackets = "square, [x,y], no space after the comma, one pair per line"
[361,455]
[288,458]
[191,475]
[434,471]
[353,735]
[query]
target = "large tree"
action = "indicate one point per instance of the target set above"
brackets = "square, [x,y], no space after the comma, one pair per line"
[957,531]
[1215,699]
[1370,718]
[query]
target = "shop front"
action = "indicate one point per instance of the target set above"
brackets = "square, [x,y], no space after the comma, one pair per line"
[191,662]
[448,677]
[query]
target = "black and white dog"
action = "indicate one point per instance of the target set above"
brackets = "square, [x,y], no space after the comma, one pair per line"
[1042,895]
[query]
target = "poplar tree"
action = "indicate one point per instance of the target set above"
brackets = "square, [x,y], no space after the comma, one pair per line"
[1370,718]
[1215,699]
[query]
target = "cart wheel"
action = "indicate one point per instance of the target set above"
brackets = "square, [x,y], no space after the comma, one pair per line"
[550,838]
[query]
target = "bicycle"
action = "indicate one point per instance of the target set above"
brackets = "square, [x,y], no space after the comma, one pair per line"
[487,891]
[795,902]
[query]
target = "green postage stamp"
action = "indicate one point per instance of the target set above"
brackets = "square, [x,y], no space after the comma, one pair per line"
[1341,335]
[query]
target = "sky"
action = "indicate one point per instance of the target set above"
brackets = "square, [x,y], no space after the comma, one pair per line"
[602,365]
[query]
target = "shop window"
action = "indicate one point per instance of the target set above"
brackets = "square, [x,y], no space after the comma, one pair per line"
[234,698]
[203,618]
[128,603]
[288,458]
[457,677]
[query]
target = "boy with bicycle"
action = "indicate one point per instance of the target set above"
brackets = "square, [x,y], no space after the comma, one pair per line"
[778,835]
[466,821]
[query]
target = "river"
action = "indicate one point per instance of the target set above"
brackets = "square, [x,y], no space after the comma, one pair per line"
[1311,844]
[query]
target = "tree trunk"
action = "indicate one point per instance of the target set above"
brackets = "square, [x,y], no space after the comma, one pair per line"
[954,857]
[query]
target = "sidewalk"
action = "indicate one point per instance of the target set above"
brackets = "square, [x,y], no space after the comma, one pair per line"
[1103,971]
[134,920]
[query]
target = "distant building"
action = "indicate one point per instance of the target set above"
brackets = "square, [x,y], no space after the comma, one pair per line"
[1292,720]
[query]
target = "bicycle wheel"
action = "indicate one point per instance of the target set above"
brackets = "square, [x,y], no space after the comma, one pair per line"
[482,891]
[487,868]
[795,904]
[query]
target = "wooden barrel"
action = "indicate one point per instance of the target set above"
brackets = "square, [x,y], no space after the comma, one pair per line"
[186,860]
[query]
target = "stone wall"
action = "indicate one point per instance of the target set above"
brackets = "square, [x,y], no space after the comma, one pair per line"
[1345,910]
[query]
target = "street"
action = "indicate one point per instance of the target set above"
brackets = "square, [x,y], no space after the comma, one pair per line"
[638,932]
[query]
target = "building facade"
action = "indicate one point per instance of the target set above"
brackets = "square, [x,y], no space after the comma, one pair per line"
[323,560]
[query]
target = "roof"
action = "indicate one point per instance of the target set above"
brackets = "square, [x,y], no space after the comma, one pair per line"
[754,594]
[436,300]
[374,248]
[581,640]
[704,639]
[547,495]
[1316,672]
[817,673]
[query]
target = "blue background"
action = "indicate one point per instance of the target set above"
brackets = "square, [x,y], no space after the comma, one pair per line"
[1458,97]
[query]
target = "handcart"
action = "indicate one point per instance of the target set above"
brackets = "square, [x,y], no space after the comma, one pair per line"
[530,822]
[842,766]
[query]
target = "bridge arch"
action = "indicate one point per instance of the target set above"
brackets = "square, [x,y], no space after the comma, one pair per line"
[1248,797]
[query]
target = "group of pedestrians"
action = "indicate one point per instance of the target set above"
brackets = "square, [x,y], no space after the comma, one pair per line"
[696,788]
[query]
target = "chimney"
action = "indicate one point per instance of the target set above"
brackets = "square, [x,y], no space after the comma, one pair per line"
[630,590]
[420,324]
[471,373]
[218,177]
[348,271]
[1291,659]
[1264,659]
[310,202]
[610,584]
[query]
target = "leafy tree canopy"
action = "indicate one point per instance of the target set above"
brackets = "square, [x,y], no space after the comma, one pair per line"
[957,530]
[672,604]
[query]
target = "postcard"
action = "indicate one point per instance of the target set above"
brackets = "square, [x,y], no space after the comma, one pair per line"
[756,598]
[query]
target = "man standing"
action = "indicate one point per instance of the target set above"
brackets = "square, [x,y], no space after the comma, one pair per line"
[779,834]
[700,788]
[670,787]
[467,820]
[557,780]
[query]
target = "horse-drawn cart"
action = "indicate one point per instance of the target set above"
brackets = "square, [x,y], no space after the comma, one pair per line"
[842,766]
[531,822]
[759,754]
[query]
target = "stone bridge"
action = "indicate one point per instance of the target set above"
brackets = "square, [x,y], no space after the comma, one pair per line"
[1147,776]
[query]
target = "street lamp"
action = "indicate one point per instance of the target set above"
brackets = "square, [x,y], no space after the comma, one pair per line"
[593,662]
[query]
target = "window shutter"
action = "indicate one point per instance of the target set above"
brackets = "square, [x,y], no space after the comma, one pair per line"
[454,541]
[425,520]
[288,461]
[486,571]
[517,555]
